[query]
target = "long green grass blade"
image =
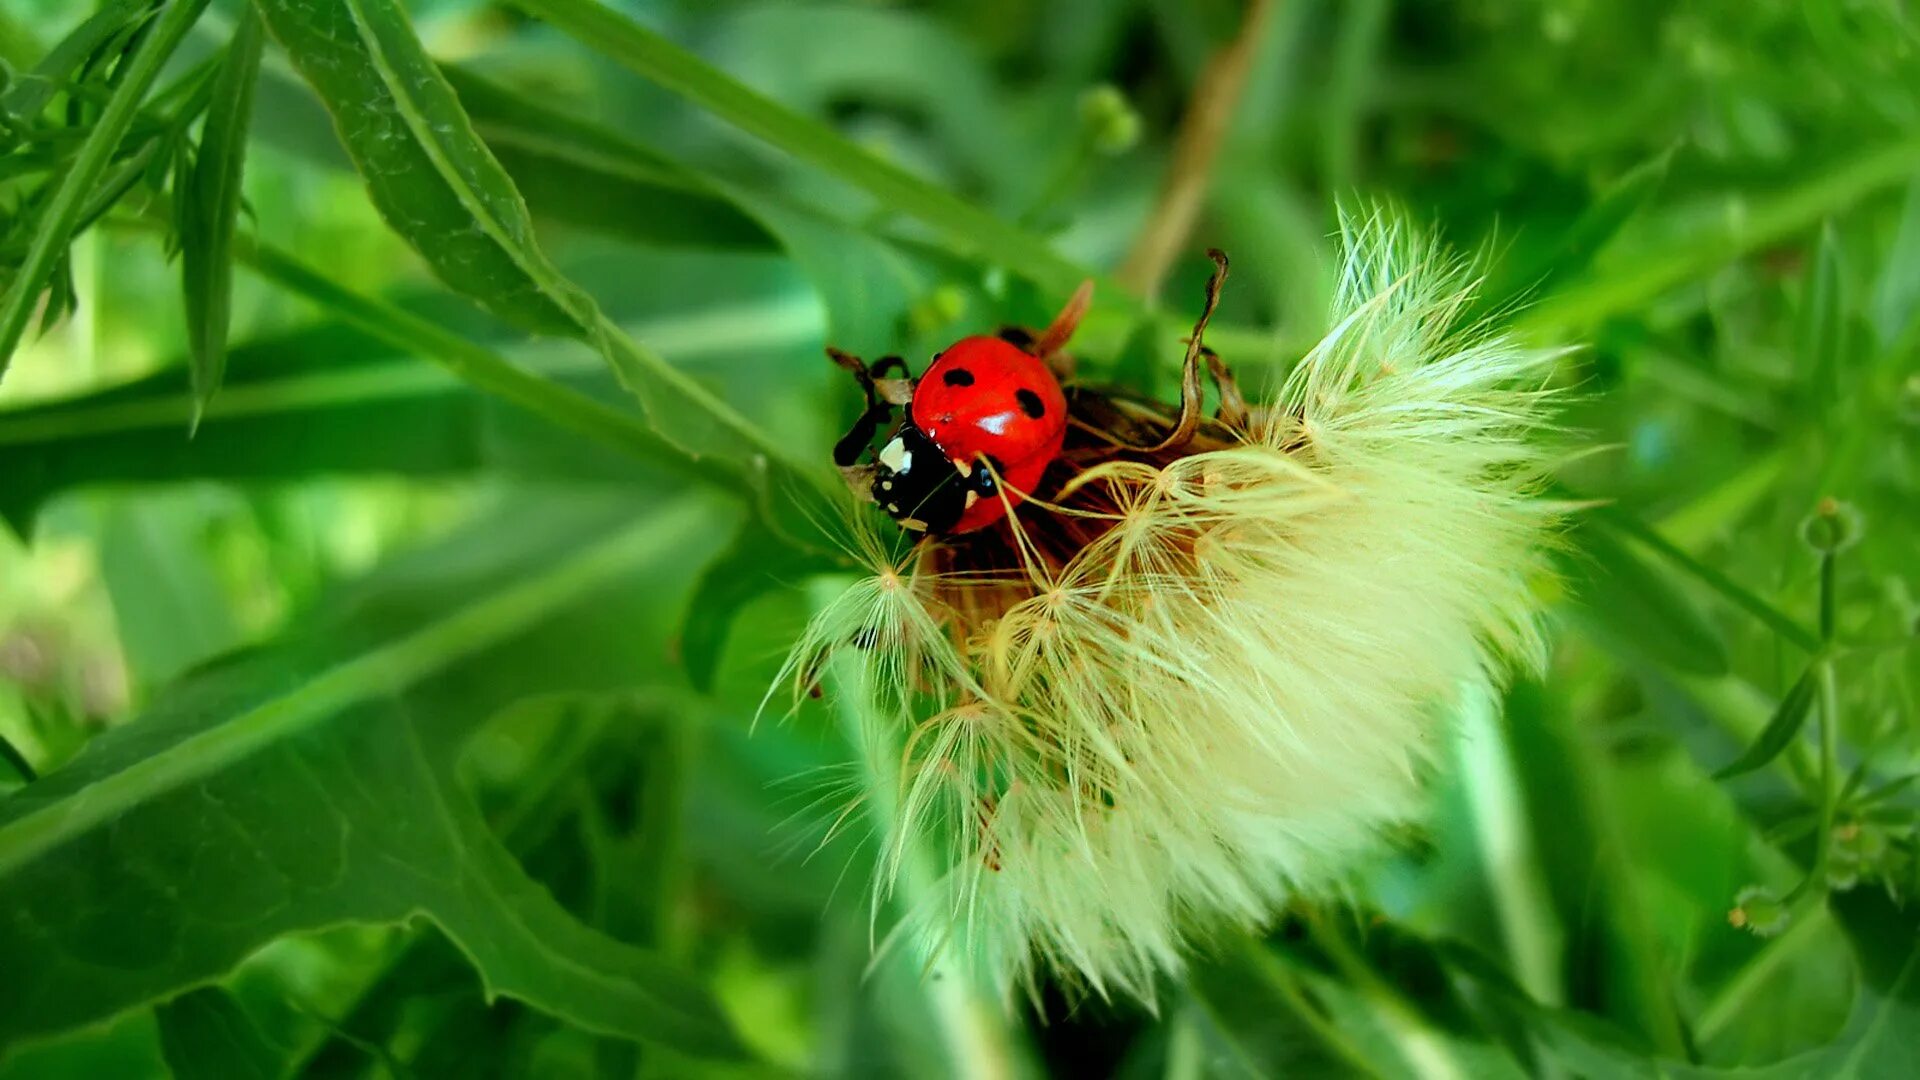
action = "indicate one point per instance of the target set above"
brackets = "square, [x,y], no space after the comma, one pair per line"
[655,58]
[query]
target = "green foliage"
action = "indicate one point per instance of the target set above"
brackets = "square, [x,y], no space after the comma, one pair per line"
[391,710]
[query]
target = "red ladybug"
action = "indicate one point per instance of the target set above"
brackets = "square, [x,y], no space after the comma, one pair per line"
[985,407]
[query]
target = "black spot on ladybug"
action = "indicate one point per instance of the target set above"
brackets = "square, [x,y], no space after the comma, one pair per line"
[1030,403]
[958,377]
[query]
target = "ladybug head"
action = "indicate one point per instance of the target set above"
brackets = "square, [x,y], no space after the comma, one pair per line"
[923,489]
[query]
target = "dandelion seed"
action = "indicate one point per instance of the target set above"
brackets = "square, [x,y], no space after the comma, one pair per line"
[1203,668]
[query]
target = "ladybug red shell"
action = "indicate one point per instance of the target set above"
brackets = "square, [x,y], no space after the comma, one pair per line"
[983,401]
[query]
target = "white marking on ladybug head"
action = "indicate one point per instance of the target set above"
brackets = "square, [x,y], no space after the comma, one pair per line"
[886,485]
[896,456]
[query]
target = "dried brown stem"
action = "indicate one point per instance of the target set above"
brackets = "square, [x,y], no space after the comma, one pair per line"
[1196,147]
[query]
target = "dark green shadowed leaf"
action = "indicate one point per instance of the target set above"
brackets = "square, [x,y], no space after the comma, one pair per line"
[210,210]
[1637,609]
[1574,251]
[311,784]
[654,57]
[206,1035]
[62,215]
[581,174]
[754,565]
[1780,730]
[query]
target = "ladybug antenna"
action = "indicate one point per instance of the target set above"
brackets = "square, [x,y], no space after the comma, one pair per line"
[1054,338]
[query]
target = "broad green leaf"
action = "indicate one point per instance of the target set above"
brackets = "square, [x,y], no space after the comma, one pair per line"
[441,189]
[311,784]
[210,210]
[752,566]
[169,605]
[581,174]
[206,1035]
[428,173]
[1780,730]
[59,219]
[1620,973]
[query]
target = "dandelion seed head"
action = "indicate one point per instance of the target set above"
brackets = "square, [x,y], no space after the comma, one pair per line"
[1175,693]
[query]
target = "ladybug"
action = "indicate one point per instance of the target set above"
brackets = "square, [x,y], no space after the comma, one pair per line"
[986,414]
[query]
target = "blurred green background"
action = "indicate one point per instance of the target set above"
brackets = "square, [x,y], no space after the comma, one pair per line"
[397,719]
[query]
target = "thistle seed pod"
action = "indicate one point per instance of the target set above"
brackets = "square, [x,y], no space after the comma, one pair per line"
[1191,678]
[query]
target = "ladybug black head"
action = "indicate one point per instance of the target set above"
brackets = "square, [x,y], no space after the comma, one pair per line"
[920,487]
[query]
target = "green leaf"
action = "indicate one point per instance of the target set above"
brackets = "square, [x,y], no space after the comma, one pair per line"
[427,171]
[755,564]
[210,210]
[59,219]
[1896,298]
[966,227]
[27,96]
[441,189]
[1823,319]
[1780,730]
[1639,610]
[1573,252]
[312,784]
[1644,275]
[585,175]
[206,1035]
[1619,521]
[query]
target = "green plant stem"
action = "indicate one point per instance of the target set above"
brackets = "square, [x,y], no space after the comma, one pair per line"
[660,61]
[63,213]
[973,1028]
[1814,884]
[491,372]
[1414,1040]
[1747,983]
[1285,983]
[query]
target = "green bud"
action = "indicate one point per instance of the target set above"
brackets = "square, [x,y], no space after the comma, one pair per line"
[1833,527]
[938,308]
[1758,911]
[1111,124]
[1909,405]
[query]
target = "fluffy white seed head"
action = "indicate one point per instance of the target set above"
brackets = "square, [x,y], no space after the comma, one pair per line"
[1228,694]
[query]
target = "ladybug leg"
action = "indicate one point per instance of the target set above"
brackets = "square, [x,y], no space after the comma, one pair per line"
[881,397]
[1190,390]
[892,391]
